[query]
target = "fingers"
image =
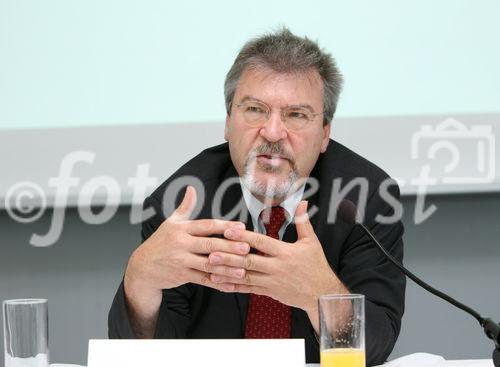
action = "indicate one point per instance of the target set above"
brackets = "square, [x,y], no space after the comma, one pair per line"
[205,279]
[187,205]
[242,288]
[258,241]
[207,227]
[250,279]
[252,262]
[201,278]
[207,245]
[302,223]
[201,263]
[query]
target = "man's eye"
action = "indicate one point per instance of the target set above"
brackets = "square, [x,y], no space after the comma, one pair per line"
[255,109]
[297,115]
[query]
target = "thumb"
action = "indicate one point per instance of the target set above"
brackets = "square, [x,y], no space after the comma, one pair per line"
[186,207]
[302,223]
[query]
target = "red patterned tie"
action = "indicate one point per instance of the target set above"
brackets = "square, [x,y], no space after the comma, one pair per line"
[266,317]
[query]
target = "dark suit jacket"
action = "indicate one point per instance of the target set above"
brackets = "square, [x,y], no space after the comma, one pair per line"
[193,311]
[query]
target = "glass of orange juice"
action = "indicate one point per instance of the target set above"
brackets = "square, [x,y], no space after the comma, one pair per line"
[342,330]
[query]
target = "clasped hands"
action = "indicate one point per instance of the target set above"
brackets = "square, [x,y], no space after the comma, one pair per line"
[295,274]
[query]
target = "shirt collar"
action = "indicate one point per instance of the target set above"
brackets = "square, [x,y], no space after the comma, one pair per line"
[255,206]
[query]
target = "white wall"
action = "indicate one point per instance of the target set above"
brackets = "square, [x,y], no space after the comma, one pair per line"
[91,63]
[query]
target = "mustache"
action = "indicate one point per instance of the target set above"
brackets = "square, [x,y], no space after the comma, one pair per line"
[273,148]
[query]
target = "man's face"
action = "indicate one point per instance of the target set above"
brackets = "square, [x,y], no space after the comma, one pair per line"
[271,156]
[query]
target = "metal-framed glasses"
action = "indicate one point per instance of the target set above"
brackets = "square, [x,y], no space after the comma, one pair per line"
[256,113]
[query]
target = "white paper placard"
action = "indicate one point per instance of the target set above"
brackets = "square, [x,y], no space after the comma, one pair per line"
[197,352]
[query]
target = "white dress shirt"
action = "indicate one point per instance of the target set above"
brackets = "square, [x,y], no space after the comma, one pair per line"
[255,207]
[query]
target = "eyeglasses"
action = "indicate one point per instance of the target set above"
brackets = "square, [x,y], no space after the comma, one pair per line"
[295,118]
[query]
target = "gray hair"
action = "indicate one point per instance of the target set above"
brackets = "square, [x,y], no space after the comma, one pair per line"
[284,52]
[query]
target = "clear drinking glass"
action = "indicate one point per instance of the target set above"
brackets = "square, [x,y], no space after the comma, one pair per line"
[342,330]
[26,333]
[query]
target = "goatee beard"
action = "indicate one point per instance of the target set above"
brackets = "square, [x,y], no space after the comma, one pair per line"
[272,189]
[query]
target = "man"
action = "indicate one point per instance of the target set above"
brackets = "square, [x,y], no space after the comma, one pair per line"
[258,272]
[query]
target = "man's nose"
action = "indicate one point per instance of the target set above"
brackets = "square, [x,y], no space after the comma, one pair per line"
[274,128]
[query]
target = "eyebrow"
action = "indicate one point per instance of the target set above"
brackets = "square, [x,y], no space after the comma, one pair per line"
[248,98]
[253,99]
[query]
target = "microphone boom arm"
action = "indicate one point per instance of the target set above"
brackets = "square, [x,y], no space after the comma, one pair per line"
[491,329]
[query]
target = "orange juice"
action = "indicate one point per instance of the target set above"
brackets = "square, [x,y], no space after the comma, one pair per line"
[343,357]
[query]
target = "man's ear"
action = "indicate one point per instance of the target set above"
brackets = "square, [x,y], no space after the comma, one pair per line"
[326,137]
[226,127]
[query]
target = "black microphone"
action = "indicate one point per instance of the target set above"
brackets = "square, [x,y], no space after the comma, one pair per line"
[347,212]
